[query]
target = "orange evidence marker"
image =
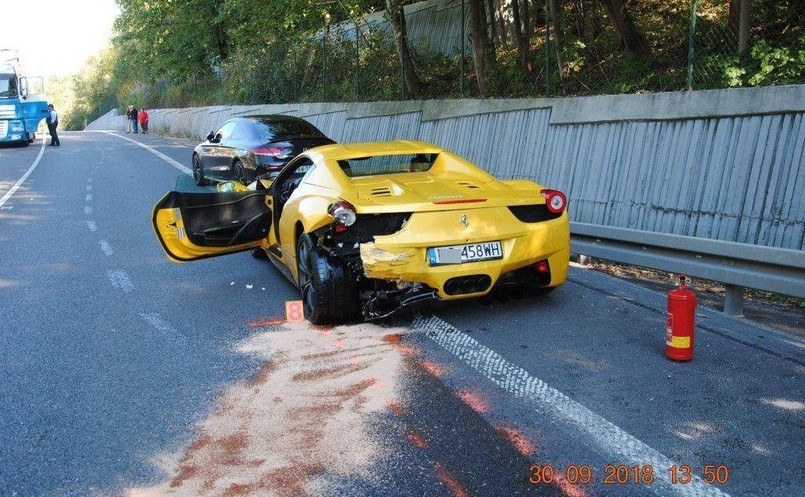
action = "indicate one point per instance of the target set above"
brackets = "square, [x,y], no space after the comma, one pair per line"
[294,311]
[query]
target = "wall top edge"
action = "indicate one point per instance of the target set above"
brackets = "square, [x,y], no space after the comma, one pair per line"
[360,110]
[701,104]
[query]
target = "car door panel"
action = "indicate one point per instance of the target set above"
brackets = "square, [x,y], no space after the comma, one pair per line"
[219,152]
[194,226]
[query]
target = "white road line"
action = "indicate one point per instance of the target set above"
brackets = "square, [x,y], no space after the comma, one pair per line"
[119,279]
[107,249]
[24,176]
[517,381]
[88,210]
[164,327]
[89,188]
[89,197]
[159,154]
[92,226]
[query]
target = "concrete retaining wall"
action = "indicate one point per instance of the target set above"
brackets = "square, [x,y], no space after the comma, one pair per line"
[723,164]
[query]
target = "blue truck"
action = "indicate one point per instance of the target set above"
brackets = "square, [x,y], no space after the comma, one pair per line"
[23,105]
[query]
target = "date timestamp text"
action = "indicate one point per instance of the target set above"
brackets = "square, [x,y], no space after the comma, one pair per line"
[622,474]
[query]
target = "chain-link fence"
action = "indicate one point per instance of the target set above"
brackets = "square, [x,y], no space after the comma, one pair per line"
[746,43]
[563,48]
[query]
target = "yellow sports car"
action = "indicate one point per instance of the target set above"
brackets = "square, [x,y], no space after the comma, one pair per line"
[368,228]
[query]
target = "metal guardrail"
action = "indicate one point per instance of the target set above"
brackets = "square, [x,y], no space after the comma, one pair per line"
[737,265]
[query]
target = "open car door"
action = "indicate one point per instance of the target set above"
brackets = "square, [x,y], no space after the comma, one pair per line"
[194,226]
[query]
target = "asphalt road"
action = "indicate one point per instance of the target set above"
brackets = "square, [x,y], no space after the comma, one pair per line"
[122,373]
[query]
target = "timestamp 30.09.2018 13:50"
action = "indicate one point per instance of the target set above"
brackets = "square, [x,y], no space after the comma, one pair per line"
[622,474]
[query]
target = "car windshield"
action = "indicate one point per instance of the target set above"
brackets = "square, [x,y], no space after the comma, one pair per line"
[269,130]
[387,164]
[8,85]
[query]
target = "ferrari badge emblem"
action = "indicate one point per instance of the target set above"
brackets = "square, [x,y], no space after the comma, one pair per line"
[463,221]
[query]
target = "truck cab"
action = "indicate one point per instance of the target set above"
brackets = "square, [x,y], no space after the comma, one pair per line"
[23,105]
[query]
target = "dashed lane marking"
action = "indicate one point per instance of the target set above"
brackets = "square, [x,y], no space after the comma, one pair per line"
[517,381]
[107,249]
[92,226]
[24,176]
[89,197]
[88,210]
[119,279]
[159,154]
[164,327]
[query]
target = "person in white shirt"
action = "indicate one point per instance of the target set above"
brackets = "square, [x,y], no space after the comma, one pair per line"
[53,123]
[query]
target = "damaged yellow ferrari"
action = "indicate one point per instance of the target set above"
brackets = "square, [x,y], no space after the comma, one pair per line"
[365,229]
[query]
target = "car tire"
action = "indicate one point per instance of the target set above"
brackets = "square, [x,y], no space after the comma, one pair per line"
[238,172]
[328,294]
[259,253]
[198,171]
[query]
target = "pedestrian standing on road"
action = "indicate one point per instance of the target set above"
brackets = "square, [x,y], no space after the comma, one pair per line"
[128,118]
[142,118]
[133,118]
[52,121]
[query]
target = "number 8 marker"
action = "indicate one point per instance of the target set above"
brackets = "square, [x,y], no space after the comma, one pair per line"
[294,311]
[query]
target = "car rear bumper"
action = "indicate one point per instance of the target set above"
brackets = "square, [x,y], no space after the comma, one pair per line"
[402,257]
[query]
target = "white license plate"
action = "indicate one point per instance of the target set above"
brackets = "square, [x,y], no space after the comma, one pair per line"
[459,254]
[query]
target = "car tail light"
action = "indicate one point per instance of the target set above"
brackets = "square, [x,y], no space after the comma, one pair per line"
[344,213]
[277,152]
[543,267]
[555,201]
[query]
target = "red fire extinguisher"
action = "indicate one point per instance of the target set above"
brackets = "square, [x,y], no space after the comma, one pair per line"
[680,323]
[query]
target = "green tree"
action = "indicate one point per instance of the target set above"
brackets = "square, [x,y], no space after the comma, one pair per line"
[178,39]
[95,89]
[633,42]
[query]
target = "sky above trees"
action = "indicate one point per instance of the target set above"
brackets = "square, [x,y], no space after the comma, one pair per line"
[57,36]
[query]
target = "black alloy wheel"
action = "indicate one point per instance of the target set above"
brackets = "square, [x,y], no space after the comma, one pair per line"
[328,294]
[198,171]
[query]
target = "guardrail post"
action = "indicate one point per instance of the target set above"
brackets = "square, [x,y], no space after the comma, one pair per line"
[734,301]
[584,260]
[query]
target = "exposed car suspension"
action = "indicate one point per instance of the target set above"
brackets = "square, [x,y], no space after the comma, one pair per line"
[385,303]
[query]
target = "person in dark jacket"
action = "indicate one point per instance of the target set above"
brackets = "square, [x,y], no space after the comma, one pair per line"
[52,121]
[133,119]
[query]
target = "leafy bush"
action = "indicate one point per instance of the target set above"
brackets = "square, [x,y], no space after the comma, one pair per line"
[766,65]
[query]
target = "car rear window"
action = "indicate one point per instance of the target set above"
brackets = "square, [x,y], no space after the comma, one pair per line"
[387,164]
[279,130]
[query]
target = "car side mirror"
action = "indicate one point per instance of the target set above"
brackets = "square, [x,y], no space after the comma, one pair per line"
[211,136]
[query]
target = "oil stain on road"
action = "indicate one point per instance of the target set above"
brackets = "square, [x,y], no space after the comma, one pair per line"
[348,410]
